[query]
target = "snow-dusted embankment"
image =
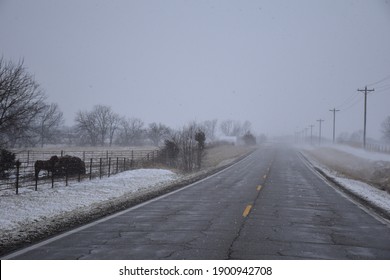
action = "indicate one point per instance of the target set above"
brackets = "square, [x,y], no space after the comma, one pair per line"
[360,173]
[23,213]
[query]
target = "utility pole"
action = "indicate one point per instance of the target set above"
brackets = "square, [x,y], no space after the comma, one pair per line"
[334,122]
[319,138]
[365,90]
[311,134]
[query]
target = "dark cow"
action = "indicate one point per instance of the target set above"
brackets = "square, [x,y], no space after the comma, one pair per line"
[68,165]
[47,165]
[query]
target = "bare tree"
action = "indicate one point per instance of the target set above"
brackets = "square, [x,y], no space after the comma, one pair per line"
[49,120]
[21,100]
[386,129]
[356,136]
[246,127]
[102,115]
[86,127]
[98,125]
[187,146]
[157,133]
[131,132]
[209,128]
[227,127]
[114,121]
[235,128]
[191,140]
[69,135]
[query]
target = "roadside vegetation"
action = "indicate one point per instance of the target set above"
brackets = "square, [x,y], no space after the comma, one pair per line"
[372,171]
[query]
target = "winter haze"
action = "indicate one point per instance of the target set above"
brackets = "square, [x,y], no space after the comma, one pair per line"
[281,65]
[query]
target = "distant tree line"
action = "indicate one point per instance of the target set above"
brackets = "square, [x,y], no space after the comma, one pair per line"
[101,126]
[28,120]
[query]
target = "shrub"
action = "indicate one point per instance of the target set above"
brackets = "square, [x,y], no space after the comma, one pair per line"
[169,153]
[249,139]
[7,161]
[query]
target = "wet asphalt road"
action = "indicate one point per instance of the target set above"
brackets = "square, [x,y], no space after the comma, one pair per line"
[268,206]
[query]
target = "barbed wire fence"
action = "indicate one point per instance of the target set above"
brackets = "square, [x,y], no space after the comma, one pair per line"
[96,164]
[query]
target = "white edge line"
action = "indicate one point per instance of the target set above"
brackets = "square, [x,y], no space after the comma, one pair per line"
[62,235]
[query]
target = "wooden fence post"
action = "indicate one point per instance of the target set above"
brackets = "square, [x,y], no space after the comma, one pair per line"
[36,181]
[90,170]
[100,168]
[109,166]
[17,176]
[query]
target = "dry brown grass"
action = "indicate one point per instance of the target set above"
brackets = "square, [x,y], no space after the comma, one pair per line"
[376,173]
[225,154]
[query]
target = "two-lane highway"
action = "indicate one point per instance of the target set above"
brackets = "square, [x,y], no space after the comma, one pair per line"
[268,206]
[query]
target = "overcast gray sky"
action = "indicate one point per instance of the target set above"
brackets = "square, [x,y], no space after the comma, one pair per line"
[279,64]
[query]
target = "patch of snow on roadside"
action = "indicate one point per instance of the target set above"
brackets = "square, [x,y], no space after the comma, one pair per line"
[377,197]
[366,192]
[30,205]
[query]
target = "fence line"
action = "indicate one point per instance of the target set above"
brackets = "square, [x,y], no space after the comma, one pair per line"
[378,148]
[30,156]
[381,148]
[95,167]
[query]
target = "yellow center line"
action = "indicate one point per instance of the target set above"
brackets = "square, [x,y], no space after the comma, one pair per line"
[259,187]
[247,210]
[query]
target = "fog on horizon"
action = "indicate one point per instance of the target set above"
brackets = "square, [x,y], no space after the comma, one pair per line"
[281,65]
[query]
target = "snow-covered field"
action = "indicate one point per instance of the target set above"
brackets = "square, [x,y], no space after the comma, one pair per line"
[21,213]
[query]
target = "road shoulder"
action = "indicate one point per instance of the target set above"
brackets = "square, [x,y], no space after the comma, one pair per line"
[365,194]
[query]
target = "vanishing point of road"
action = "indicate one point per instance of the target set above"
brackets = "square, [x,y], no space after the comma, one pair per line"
[271,205]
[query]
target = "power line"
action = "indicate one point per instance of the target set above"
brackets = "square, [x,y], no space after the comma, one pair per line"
[350,99]
[352,104]
[353,99]
[385,88]
[380,81]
